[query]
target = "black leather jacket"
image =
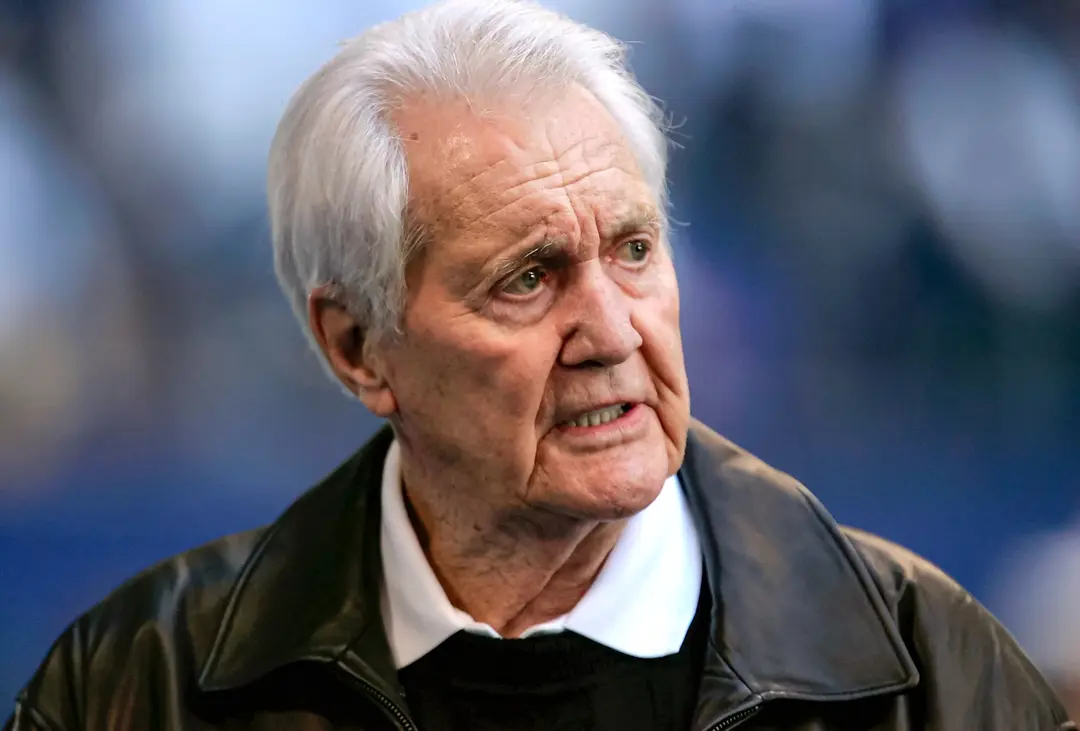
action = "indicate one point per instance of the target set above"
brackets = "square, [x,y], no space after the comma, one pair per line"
[814,626]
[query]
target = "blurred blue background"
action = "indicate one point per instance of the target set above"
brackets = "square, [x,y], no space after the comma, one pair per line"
[879,257]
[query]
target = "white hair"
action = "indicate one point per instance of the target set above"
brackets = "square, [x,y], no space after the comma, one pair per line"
[338,186]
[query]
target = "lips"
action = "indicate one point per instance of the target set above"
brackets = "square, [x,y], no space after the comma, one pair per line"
[599,416]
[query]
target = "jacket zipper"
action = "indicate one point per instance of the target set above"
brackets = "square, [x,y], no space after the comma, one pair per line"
[735,719]
[370,690]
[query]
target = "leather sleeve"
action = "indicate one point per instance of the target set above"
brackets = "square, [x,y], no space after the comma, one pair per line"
[973,673]
[53,698]
[26,719]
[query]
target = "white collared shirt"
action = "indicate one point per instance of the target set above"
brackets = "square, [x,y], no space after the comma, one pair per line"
[641,603]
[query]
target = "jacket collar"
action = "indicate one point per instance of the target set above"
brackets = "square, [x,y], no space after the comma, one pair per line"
[795,612]
[310,589]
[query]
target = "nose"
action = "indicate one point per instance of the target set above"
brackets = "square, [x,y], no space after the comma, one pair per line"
[600,329]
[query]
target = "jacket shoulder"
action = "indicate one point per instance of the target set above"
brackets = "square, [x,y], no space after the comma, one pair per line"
[964,655]
[162,620]
[898,570]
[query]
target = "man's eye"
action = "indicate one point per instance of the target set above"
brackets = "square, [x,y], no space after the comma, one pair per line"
[527,282]
[634,251]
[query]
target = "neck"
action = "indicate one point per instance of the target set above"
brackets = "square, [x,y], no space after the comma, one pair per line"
[511,568]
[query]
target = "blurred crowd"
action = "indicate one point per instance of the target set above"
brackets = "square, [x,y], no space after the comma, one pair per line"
[1038,596]
[878,243]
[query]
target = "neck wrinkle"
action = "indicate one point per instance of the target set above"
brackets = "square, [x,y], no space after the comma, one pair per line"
[510,572]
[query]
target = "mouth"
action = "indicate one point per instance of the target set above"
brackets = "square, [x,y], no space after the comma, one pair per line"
[598,417]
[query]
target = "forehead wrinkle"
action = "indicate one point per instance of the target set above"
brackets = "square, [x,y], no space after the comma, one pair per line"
[562,172]
[526,190]
[495,143]
[534,174]
[475,182]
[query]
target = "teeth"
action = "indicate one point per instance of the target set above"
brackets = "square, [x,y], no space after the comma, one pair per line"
[598,417]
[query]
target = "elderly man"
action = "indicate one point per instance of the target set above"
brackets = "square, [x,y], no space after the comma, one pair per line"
[468,213]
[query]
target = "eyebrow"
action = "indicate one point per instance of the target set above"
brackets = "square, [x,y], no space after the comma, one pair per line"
[553,249]
[637,218]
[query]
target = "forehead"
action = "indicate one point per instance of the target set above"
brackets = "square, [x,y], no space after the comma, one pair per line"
[508,166]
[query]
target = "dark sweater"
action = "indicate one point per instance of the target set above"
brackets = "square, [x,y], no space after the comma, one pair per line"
[557,682]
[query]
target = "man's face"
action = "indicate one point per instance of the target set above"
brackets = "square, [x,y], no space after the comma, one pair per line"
[541,363]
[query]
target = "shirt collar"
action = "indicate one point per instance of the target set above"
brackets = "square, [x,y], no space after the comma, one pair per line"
[641,603]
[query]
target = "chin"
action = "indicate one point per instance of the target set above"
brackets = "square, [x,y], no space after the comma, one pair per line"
[610,494]
[626,505]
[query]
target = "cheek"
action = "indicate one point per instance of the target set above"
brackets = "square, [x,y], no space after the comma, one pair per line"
[488,379]
[658,324]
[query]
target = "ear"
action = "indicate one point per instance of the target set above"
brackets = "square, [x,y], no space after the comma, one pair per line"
[355,359]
